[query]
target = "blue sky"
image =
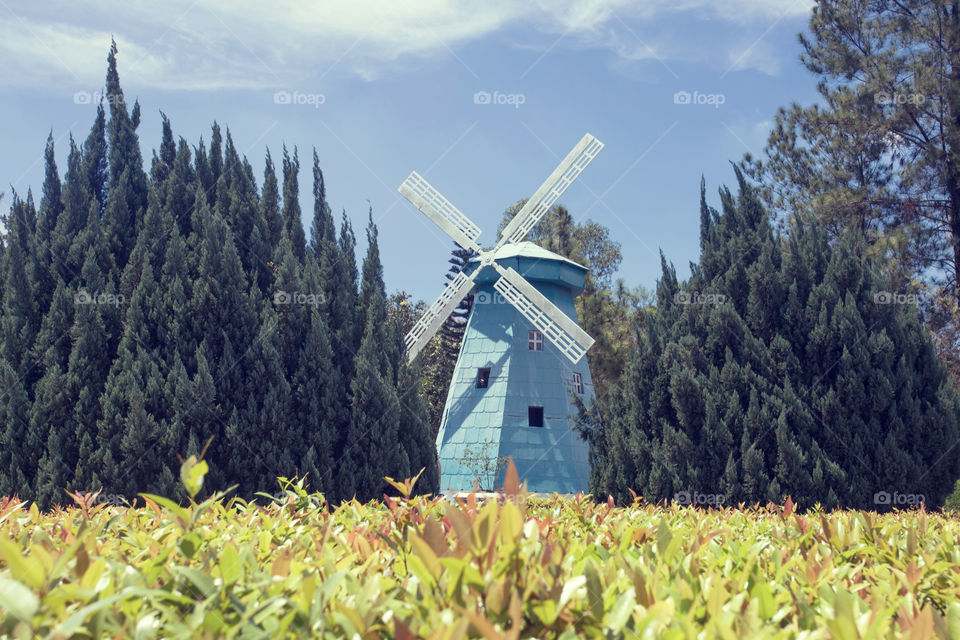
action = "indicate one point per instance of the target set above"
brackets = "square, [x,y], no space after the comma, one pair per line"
[382,87]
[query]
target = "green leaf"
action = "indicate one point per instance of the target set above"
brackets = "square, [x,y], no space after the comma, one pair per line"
[570,588]
[546,611]
[594,590]
[622,609]
[664,537]
[189,544]
[953,619]
[147,627]
[203,583]
[231,566]
[843,625]
[18,600]
[764,597]
[426,554]
[72,624]
[22,568]
[170,506]
[192,472]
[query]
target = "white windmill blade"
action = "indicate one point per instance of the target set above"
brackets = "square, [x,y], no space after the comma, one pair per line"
[429,323]
[541,201]
[446,216]
[543,314]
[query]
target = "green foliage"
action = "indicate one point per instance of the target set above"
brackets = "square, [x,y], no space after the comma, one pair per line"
[15,440]
[778,369]
[371,443]
[952,503]
[142,316]
[484,461]
[192,472]
[292,224]
[514,567]
[879,154]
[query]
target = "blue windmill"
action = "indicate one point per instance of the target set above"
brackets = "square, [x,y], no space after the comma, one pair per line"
[521,361]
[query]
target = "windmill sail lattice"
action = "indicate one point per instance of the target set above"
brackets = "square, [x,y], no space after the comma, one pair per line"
[554,186]
[563,332]
[446,216]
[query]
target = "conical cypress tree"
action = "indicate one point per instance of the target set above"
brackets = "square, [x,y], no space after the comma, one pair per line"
[415,432]
[322,225]
[139,399]
[20,319]
[195,415]
[179,191]
[95,168]
[371,278]
[261,438]
[345,320]
[223,320]
[95,334]
[15,454]
[52,345]
[65,262]
[127,199]
[216,162]
[51,205]
[332,274]
[292,224]
[270,203]
[174,336]
[372,447]
[775,371]
[162,165]
[317,390]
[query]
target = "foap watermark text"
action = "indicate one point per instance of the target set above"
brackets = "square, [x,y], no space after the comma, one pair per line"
[696,297]
[498,98]
[697,499]
[710,99]
[897,499]
[296,297]
[893,297]
[84,297]
[299,98]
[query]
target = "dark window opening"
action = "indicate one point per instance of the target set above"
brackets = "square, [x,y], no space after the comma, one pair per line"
[534,341]
[535,415]
[483,378]
[577,382]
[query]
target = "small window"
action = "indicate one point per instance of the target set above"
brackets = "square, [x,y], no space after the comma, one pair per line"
[534,341]
[577,382]
[535,415]
[483,378]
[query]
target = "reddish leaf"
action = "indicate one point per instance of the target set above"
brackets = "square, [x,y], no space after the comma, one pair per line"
[511,482]
[402,631]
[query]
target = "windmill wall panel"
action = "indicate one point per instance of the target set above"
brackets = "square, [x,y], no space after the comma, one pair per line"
[549,458]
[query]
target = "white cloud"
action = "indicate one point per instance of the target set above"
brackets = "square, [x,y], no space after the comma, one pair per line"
[739,11]
[758,54]
[217,44]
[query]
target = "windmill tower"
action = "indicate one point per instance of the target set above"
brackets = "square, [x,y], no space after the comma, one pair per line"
[521,359]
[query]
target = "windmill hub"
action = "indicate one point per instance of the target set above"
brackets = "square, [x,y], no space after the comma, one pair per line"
[487,258]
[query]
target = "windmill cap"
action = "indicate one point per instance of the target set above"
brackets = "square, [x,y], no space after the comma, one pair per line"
[535,264]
